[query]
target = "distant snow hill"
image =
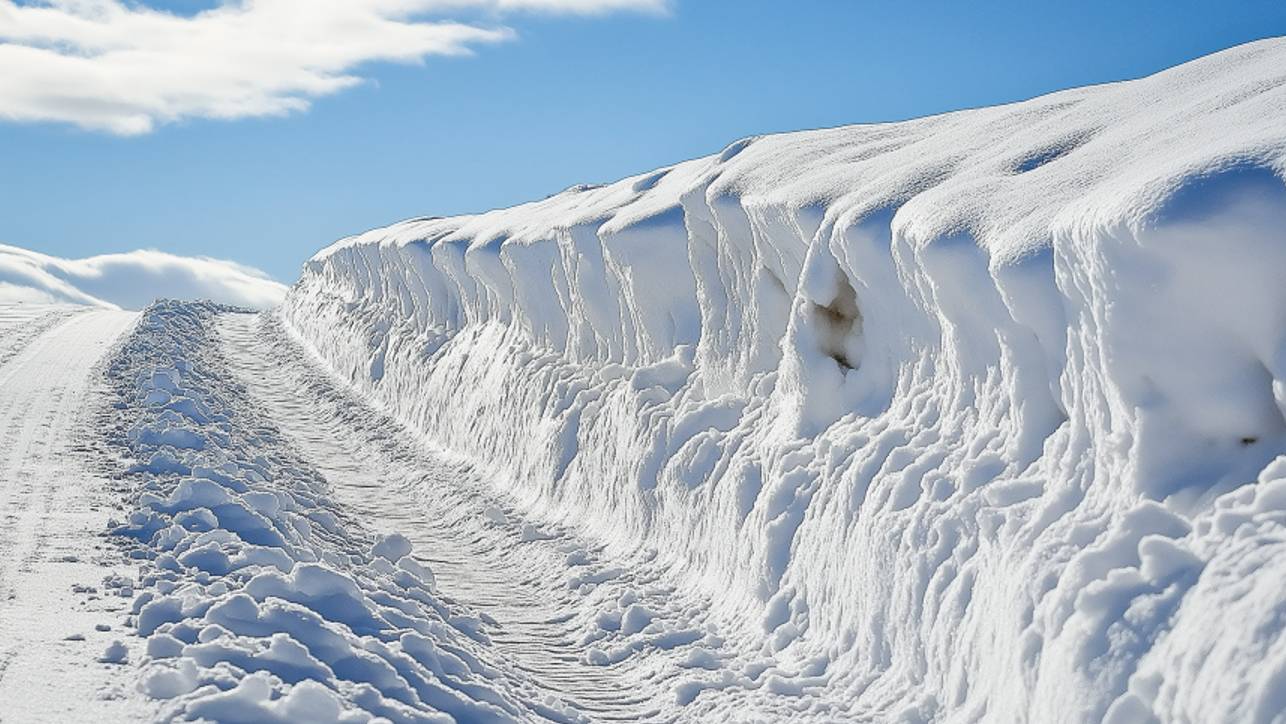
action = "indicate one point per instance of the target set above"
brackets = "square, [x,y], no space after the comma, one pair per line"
[130,280]
[975,417]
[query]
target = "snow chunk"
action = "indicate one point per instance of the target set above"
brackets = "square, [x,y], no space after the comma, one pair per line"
[115,653]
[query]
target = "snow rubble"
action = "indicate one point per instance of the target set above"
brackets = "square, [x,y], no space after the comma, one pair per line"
[973,417]
[257,600]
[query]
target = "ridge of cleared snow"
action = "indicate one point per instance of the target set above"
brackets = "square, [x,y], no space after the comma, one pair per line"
[977,416]
[131,280]
[257,598]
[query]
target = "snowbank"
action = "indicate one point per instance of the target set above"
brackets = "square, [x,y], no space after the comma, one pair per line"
[132,281]
[972,416]
[257,600]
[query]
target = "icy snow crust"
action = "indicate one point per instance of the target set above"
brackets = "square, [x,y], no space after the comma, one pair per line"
[977,416]
[257,600]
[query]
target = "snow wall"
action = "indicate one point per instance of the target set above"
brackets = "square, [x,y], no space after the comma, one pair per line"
[976,416]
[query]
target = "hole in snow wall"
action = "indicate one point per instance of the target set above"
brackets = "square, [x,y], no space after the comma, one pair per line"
[839,326]
[825,343]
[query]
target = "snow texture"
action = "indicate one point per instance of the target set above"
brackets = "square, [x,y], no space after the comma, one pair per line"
[973,417]
[57,492]
[611,636]
[130,281]
[257,598]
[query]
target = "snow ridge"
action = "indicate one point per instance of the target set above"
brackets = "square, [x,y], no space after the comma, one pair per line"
[977,416]
[257,600]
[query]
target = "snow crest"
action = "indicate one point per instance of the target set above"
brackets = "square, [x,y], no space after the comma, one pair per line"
[256,599]
[974,416]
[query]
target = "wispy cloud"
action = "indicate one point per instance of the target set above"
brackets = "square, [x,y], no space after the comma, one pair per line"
[125,68]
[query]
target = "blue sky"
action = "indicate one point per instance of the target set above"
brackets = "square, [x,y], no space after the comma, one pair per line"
[568,99]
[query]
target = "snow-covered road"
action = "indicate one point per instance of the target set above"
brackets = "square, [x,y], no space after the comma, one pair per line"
[259,508]
[54,506]
[573,620]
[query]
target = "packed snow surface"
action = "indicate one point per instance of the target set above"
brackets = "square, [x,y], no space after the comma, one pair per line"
[56,495]
[131,281]
[973,417]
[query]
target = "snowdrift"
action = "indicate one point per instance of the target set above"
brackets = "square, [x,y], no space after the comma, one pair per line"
[976,416]
[131,281]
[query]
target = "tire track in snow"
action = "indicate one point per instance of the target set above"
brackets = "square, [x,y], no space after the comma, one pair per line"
[53,516]
[540,587]
[21,324]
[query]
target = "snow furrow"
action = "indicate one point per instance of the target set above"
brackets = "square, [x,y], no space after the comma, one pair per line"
[260,598]
[552,603]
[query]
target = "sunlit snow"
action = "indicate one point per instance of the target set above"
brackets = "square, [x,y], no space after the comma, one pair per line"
[976,417]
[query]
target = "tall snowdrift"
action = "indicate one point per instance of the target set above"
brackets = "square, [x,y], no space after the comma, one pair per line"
[979,416]
[132,280]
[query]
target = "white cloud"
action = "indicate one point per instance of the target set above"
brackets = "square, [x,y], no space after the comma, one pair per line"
[132,280]
[584,7]
[124,68]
